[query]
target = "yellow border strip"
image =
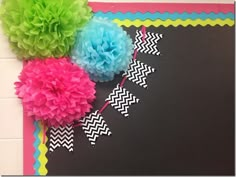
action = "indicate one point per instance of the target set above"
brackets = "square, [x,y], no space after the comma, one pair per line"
[43,150]
[175,23]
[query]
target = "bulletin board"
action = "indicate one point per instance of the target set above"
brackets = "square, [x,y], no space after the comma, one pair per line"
[183,123]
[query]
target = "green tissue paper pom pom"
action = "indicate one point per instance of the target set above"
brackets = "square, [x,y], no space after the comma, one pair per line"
[43,28]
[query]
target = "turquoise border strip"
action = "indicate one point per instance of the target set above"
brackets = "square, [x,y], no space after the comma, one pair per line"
[165,16]
[36,145]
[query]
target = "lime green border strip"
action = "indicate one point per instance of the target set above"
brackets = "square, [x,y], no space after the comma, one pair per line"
[175,23]
[42,148]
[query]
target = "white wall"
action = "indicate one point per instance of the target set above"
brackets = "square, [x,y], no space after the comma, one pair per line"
[11,124]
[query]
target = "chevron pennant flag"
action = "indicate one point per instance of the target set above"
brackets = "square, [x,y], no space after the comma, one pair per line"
[138,72]
[61,136]
[94,126]
[149,45]
[121,99]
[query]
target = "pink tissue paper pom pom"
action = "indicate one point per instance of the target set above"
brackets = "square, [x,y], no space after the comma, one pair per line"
[55,91]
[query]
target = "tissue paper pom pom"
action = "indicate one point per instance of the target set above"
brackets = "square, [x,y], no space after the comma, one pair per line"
[103,49]
[55,91]
[43,28]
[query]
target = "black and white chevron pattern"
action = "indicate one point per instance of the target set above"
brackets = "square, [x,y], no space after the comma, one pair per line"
[138,72]
[61,136]
[121,99]
[94,126]
[149,45]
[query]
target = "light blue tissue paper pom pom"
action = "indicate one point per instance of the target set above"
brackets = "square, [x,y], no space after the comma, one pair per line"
[103,49]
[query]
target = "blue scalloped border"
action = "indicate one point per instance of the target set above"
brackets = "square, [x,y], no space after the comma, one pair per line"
[165,16]
[36,145]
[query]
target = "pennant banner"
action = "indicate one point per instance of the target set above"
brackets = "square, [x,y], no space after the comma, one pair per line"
[149,45]
[61,136]
[94,126]
[121,99]
[138,72]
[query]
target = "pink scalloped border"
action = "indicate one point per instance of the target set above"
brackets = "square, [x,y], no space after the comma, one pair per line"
[162,7]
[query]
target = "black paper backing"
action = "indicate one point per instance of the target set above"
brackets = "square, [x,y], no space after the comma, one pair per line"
[184,123]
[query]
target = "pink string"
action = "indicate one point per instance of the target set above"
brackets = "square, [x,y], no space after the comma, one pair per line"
[124,78]
[104,107]
[123,81]
[135,54]
[144,32]
[77,125]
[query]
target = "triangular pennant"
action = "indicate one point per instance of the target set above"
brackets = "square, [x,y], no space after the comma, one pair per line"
[138,72]
[94,126]
[61,136]
[149,45]
[121,99]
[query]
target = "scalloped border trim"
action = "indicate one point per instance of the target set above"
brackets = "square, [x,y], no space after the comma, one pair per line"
[165,16]
[175,23]
[40,150]
[162,7]
[36,145]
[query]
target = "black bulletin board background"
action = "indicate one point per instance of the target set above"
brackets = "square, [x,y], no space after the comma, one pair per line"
[184,123]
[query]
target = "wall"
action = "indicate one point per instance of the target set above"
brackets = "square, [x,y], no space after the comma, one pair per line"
[11,121]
